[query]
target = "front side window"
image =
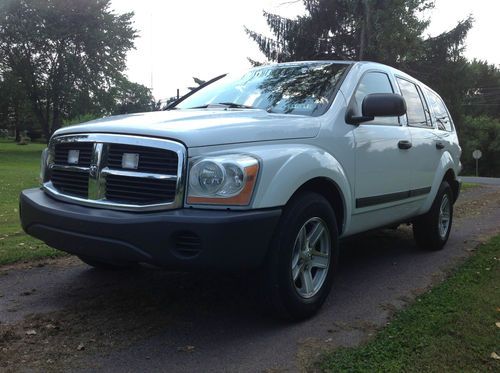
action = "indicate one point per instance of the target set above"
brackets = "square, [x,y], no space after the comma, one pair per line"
[414,106]
[373,82]
[438,111]
[300,89]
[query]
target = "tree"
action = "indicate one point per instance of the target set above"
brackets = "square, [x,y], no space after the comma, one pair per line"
[64,52]
[387,31]
[483,93]
[15,113]
[129,97]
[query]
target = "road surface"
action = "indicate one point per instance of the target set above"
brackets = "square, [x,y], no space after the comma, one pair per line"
[61,314]
[481,180]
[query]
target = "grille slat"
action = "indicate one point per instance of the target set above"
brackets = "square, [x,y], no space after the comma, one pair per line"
[71,182]
[145,188]
[141,190]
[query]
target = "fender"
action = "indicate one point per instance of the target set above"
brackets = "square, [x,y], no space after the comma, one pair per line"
[445,163]
[289,166]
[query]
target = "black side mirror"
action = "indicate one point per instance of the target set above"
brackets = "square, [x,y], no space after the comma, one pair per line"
[379,105]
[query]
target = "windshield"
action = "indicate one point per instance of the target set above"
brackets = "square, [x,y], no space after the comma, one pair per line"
[301,89]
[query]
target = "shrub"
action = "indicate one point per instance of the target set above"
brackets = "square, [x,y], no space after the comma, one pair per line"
[481,133]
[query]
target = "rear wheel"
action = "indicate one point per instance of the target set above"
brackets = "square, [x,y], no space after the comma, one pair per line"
[431,231]
[297,276]
[105,265]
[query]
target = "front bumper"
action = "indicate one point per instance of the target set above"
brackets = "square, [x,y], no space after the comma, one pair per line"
[177,239]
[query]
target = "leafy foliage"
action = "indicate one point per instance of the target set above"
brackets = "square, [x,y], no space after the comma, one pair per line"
[483,94]
[68,54]
[481,133]
[347,29]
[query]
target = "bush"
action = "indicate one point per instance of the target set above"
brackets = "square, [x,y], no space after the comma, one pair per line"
[481,133]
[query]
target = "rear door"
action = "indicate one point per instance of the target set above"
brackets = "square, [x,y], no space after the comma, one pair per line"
[425,153]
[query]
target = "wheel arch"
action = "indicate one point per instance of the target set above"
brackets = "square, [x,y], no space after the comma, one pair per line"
[444,172]
[451,178]
[332,192]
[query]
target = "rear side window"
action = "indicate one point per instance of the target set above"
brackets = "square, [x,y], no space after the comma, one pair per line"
[438,111]
[414,105]
[374,82]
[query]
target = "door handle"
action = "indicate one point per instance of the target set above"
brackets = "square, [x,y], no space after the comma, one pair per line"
[439,145]
[404,144]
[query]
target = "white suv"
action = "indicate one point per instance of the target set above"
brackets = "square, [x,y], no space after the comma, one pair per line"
[261,171]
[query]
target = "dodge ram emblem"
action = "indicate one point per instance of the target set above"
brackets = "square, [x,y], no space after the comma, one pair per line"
[93,171]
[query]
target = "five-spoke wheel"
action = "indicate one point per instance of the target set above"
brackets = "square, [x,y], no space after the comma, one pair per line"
[311,255]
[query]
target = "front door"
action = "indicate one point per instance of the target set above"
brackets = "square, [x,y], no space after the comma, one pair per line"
[383,161]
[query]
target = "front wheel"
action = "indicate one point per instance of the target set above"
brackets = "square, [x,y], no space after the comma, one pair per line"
[431,231]
[297,276]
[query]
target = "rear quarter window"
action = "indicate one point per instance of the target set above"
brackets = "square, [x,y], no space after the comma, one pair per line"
[439,113]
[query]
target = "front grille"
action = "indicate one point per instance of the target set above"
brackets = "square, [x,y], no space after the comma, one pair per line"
[84,148]
[139,190]
[97,175]
[71,182]
[152,160]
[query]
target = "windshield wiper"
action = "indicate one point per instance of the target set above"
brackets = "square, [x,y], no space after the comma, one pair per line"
[228,105]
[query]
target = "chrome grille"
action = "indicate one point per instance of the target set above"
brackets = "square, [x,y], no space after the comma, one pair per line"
[97,178]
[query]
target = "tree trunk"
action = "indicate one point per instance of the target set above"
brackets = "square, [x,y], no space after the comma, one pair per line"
[365,32]
[17,130]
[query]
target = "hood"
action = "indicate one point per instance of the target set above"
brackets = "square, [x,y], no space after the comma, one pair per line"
[205,127]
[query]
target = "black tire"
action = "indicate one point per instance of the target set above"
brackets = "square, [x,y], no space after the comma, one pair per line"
[105,265]
[278,289]
[426,228]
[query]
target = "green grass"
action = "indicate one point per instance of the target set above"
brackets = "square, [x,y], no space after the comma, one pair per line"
[19,169]
[449,329]
[467,186]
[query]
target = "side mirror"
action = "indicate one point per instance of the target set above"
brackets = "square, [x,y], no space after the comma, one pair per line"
[379,105]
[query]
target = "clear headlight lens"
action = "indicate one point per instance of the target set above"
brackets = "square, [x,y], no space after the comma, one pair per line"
[224,180]
[43,165]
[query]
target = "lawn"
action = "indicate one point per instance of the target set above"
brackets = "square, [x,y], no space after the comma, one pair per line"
[467,186]
[455,327]
[19,169]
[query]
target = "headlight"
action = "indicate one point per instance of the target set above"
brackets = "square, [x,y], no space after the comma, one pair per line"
[224,180]
[43,164]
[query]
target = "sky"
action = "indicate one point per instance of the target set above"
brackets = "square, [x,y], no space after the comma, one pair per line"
[182,39]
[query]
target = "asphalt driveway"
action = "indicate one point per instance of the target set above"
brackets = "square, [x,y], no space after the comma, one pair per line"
[60,314]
